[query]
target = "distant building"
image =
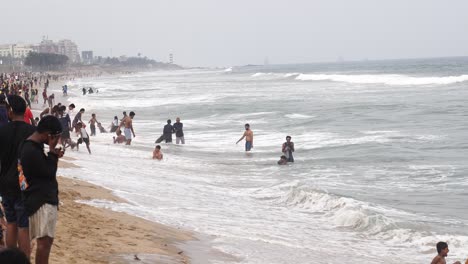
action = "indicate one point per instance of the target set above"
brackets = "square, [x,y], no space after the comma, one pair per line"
[64,47]
[22,50]
[87,57]
[47,46]
[15,50]
[70,49]
[171,58]
[6,50]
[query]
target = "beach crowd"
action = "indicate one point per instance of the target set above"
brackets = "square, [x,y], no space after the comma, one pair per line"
[28,171]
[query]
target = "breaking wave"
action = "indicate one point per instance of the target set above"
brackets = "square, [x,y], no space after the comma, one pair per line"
[387,79]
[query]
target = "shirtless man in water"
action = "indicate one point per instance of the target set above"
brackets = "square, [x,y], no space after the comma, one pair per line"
[128,131]
[248,135]
[442,251]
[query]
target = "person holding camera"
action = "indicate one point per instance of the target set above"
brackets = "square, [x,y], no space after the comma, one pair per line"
[38,182]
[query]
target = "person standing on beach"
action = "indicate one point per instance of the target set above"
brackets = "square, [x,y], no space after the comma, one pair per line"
[127,122]
[178,128]
[44,96]
[3,110]
[65,121]
[288,149]
[93,122]
[78,119]
[11,136]
[51,100]
[71,110]
[167,131]
[124,116]
[28,116]
[38,181]
[248,135]
[84,137]
[114,124]
[442,251]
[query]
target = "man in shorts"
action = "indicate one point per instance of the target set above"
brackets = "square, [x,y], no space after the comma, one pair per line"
[127,122]
[38,181]
[11,137]
[248,135]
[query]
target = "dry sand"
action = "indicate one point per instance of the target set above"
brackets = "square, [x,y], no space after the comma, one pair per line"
[87,234]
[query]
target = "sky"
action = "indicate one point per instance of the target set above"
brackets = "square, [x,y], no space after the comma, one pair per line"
[221,33]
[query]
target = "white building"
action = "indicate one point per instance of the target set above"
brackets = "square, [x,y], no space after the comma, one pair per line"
[6,50]
[22,50]
[15,50]
[70,49]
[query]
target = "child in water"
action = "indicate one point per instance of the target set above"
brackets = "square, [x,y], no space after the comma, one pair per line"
[157,154]
[283,160]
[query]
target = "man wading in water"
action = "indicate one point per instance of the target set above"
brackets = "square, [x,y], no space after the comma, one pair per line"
[128,131]
[248,135]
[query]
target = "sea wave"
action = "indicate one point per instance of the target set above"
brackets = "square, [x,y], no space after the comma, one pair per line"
[388,79]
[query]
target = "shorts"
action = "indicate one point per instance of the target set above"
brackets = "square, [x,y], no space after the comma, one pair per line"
[248,146]
[43,222]
[85,140]
[15,212]
[128,133]
[180,139]
[66,134]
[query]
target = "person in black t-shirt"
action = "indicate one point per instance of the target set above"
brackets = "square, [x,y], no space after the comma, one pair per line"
[11,136]
[38,181]
[167,131]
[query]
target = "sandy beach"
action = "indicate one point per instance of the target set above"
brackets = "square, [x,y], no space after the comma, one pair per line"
[87,234]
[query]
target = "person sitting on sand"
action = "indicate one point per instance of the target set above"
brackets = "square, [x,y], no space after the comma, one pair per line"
[120,138]
[157,153]
[442,251]
[283,160]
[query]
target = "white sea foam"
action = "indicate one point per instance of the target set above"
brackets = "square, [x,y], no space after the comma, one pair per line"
[264,213]
[389,79]
[298,116]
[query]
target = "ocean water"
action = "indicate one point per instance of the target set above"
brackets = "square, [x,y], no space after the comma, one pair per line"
[380,173]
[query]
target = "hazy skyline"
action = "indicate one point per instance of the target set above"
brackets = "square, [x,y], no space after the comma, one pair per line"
[226,33]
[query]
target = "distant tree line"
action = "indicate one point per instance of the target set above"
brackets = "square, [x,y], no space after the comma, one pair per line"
[130,61]
[45,60]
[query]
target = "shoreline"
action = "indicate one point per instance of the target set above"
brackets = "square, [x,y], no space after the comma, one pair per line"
[88,234]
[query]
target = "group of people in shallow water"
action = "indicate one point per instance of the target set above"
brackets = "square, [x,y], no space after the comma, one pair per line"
[287,148]
[28,184]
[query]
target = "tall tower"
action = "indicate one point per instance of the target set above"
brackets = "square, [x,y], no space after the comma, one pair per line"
[171,58]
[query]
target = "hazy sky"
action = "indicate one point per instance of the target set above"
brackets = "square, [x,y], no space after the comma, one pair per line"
[225,33]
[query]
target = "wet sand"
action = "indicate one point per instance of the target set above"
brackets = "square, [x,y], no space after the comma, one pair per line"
[87,234]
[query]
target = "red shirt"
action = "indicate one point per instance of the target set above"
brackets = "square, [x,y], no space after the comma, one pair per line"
[28,116]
